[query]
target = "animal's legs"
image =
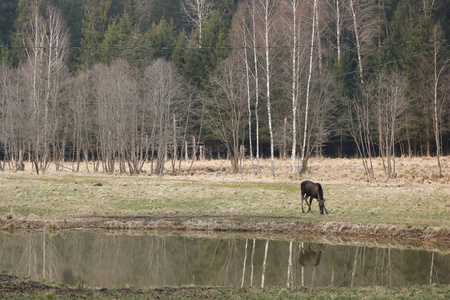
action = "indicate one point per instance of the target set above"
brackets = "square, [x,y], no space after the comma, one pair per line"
[309,204]
[303,198]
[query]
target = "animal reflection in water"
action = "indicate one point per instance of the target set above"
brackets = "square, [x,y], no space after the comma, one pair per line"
[310,254]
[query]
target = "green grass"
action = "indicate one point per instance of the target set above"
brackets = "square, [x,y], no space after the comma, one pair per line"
[12,287]
[69,195]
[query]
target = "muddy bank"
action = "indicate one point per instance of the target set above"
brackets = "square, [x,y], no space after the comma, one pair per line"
[257,224]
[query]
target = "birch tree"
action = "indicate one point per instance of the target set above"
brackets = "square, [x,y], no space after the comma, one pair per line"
[308,89]
[293,36]
[46,43]
[197,13]
[254,36]
[57,39]
[365,26]
[353,12]
[241,37]
[267,15]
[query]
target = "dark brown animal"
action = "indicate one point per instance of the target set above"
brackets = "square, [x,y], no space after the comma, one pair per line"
[312,190]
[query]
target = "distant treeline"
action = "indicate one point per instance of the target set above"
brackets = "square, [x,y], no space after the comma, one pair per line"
[126,83]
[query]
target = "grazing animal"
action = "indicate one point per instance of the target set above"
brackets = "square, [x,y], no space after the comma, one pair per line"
[312,190]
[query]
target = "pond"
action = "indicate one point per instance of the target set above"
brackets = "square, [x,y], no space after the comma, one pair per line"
[148,260]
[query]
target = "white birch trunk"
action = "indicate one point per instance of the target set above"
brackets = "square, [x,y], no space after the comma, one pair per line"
[247,78]
[269,106]
[358,44]
[295,71]
[256,74]
[308,87]
[338,31]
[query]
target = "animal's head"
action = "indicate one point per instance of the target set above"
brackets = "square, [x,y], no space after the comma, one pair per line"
[322,205]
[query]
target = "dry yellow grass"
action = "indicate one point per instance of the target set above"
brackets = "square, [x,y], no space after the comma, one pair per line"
[417,197]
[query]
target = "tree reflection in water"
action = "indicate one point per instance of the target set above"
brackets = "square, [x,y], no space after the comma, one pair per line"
[119,260]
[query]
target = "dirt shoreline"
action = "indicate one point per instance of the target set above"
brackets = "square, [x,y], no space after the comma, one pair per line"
[256,224]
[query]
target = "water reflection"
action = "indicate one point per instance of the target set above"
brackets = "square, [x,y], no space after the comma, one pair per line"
[99,259]
[310,254]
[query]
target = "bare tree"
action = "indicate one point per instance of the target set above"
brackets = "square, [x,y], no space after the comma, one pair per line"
[437,104]
[364,26]
[82,110]
[360,126]
[267,15]
[353,13]
[163,88]
[389,94]
[227,109]
[242,29]
[46,44]
[197,12]
[338,30]
[256,76]
[115,92]
[303,160]
[293,33]
[57,38]
[254,35]
[13,118]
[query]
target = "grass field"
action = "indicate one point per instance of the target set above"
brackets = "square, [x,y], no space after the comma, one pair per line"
[416,197]
[413,206]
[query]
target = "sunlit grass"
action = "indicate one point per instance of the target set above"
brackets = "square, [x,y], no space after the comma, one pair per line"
[68,194]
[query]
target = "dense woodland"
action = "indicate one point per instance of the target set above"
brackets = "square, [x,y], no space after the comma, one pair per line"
[128,83]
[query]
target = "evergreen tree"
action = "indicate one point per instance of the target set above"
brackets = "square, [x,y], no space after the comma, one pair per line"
[23,13]
[117,39]
[8,13]
[94,26]
[409,45]
[215,38]
[161,38]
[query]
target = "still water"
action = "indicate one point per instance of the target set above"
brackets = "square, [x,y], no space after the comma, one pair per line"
[118,260]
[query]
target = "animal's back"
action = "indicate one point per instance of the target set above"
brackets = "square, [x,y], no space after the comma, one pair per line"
[311,189]
[304,186]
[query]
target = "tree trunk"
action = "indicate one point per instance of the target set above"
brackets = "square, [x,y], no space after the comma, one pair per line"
[308,87]
[338,32]
[256,74]
[268,75]
[358,44]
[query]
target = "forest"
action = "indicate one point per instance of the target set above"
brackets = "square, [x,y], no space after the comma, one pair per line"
[128,83]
